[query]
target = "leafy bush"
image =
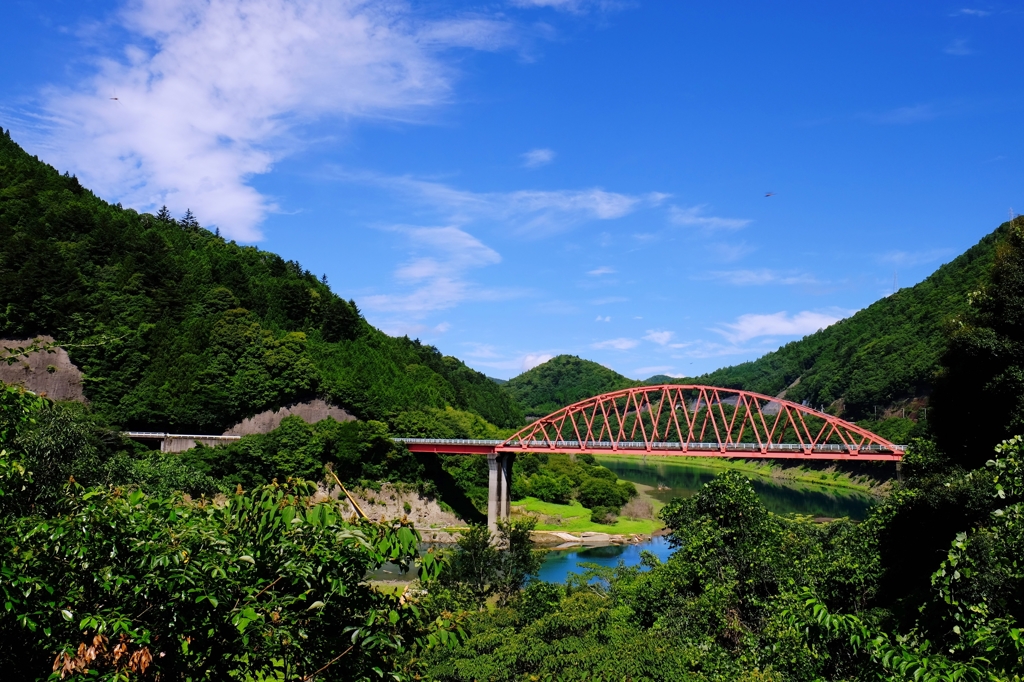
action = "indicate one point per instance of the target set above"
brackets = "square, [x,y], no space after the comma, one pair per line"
[557,489]
[600,492]
[482,565]
[257,588]
[605,515]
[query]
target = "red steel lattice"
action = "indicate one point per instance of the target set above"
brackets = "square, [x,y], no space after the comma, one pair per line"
[699,420]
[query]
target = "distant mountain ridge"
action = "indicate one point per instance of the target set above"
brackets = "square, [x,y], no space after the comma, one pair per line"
[563,380]
[886,353]
[178,329]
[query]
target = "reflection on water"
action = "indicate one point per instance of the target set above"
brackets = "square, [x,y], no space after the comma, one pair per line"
[670,479]
[677,479]
[559,563]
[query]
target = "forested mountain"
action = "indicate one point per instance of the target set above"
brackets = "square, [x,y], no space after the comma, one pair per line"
[177,328]
[561,381]
[887,352]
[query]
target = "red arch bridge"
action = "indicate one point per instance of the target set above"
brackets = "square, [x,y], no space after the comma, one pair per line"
[692,420]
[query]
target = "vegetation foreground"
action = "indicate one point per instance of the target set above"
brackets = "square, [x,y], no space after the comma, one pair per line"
[113,583]
[237,563]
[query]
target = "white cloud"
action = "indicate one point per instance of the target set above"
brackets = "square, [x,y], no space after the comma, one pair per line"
[436,273]
[609,300]
[728,252]
[910,258]
[412,329]
[480,350]
[458,251]
[693,216]
[617,344]
[573,6]
[750,326]
[531,360]
[606,318]
[971,13]
[212,92]
[958,48]
[659,337]
[603,270]
[761,277]
[533,213]
[536,158]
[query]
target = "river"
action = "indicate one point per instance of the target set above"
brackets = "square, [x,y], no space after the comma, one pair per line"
[668,479]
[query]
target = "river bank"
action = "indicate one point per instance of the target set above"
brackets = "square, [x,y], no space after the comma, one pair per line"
[831,476]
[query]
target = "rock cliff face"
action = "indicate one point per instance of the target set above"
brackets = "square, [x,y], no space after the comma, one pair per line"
[311,412]
[49,374]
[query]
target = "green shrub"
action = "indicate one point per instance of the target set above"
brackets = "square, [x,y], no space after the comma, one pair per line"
[604,515]
[599,492]
[556,489]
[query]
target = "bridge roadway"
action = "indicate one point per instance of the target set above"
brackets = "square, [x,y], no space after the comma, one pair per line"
[501,454]
[661,420]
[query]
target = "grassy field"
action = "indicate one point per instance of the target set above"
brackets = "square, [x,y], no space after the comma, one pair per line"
[775,471]
[574,518]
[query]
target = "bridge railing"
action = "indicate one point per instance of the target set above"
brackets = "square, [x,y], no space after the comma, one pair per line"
[540,446]
[159,435]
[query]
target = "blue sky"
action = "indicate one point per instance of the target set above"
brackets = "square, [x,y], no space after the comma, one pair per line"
[513,180]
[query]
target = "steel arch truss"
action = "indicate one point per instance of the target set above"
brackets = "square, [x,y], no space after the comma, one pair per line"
[699,420]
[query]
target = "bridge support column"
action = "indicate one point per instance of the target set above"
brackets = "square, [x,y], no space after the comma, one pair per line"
[499,484]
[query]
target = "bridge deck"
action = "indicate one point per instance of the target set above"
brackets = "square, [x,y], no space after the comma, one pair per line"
[746,450]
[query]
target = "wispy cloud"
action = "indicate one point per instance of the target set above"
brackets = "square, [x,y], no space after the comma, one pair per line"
[970,13]
[573,6]
[759,277]
[531,360]
[694,216]
[751,326]
[530,213]
[412,329]
[661,338]
[608,300]
[603,270]
[210,93]
[729,252]
[434,276]
[911,258]
[958,48]
[536,158]
[616,344]
[606,318]
[903,115]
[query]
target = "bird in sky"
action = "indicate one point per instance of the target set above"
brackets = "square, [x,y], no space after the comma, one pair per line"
[770,194]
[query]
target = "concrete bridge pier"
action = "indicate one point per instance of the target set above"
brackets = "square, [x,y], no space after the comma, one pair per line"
[499,484]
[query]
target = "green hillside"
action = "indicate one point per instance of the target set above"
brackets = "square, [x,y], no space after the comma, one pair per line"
[888,352]
[561,381]
[177,328]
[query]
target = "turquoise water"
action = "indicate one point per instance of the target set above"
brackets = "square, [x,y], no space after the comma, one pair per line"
[668,479]
[559,563]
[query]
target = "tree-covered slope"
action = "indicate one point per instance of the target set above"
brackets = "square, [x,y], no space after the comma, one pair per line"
[178,328]
[561,381]
[887,352]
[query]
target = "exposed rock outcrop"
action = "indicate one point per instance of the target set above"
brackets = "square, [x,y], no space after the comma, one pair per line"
[48,374]
[311,412]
